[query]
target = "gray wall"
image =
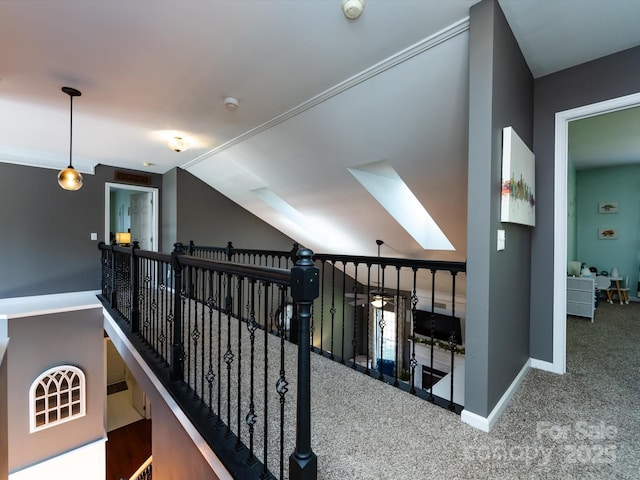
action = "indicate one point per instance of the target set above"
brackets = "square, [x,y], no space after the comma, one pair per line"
[169,202]
[37,344]
[610,77]
[498,283]
[4,411]
[209,218]
[45,245]
[175,456]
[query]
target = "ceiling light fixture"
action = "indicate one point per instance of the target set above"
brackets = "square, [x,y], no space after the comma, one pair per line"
[231,103]
[70,178]
[352,9]
[178,144]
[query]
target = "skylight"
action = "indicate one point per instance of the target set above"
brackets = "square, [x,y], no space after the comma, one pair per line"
[305,226]
[386,186]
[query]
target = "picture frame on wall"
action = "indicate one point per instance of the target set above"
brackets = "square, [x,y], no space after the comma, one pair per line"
[608,233]
[518,203]
[608,207]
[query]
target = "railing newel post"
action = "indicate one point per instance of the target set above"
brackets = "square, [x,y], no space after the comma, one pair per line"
[135,285]
[305,288]
[177,360]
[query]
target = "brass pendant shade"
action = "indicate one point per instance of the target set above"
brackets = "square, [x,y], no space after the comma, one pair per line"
[70,178]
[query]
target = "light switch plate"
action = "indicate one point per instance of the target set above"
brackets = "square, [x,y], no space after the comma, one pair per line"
[94,236]
[501,239]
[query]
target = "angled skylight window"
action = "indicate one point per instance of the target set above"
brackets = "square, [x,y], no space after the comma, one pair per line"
[386,186]
[312,228]
[280,206]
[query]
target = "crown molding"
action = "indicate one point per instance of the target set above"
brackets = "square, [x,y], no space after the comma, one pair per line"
[400,57]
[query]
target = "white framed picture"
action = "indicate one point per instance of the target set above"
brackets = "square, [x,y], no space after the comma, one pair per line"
[608,207]
[518,180]
[608,233]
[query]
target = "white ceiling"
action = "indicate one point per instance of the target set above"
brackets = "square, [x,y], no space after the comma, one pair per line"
[318,94]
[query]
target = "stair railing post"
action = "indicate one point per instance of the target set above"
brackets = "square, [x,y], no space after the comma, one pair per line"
[303,463]
[135,285]
[230,252]
[177,359]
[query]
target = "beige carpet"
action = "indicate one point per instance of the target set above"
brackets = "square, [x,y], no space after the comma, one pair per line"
[585,424]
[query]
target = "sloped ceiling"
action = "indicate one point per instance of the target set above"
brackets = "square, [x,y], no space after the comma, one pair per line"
[317,94]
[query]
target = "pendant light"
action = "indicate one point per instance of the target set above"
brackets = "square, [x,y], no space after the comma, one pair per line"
[70,178]
[379,298]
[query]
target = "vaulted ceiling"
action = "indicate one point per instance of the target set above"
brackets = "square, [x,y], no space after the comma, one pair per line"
[320,97]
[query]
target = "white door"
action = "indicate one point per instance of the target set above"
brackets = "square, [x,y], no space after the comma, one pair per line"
[142,220]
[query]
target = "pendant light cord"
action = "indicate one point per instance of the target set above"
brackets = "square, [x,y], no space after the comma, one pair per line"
[70,130]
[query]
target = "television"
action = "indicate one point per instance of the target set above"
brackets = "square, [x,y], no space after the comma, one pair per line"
[443,326]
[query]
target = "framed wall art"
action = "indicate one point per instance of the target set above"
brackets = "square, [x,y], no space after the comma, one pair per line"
[608,207]
[518,203]
[608,233]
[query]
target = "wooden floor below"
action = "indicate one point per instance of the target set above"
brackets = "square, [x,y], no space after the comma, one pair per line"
[127,448]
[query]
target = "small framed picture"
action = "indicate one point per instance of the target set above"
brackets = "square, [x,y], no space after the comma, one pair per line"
[607,233]
[608,207]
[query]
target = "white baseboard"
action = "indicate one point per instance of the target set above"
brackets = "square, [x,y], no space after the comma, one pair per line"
[487,423]
[544,365]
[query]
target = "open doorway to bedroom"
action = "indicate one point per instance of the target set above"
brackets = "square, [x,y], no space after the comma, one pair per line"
[131,214]
[561,212]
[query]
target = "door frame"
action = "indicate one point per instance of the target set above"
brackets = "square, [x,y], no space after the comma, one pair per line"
[109,186]
[563,118]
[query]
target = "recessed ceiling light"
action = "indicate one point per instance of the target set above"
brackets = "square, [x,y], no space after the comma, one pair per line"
[147,164]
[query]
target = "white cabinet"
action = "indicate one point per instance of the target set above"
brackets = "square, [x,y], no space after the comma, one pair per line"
[581,296]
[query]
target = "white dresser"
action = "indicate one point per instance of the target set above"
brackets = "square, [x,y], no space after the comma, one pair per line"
[581,296]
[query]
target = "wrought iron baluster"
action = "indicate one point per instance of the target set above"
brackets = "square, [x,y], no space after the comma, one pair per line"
[322,309]
[252,325]
[354,340]
[381,324]
[414,302]
[368,317]
[239,285]
[452,337]
[332,311]
[433,328]
[265,403]
[344,286]
[210,376]
[228,356]
[221,280]
[282,384]
[399,318]
[177,358]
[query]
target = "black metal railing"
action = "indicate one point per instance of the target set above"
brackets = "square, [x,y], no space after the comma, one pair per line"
[215,332]
[398,320]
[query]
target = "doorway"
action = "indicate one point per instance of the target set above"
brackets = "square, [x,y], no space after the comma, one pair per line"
[132,209]
[563,118]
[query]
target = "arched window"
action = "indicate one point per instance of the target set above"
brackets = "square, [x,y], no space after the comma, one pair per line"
[57,396]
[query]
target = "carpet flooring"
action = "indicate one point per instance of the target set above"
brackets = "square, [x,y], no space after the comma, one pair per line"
[581,425]
[585,424]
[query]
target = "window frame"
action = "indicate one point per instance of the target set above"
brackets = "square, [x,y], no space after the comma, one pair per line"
[59,395]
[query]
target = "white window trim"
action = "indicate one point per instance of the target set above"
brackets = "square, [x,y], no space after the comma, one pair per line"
[64,369]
